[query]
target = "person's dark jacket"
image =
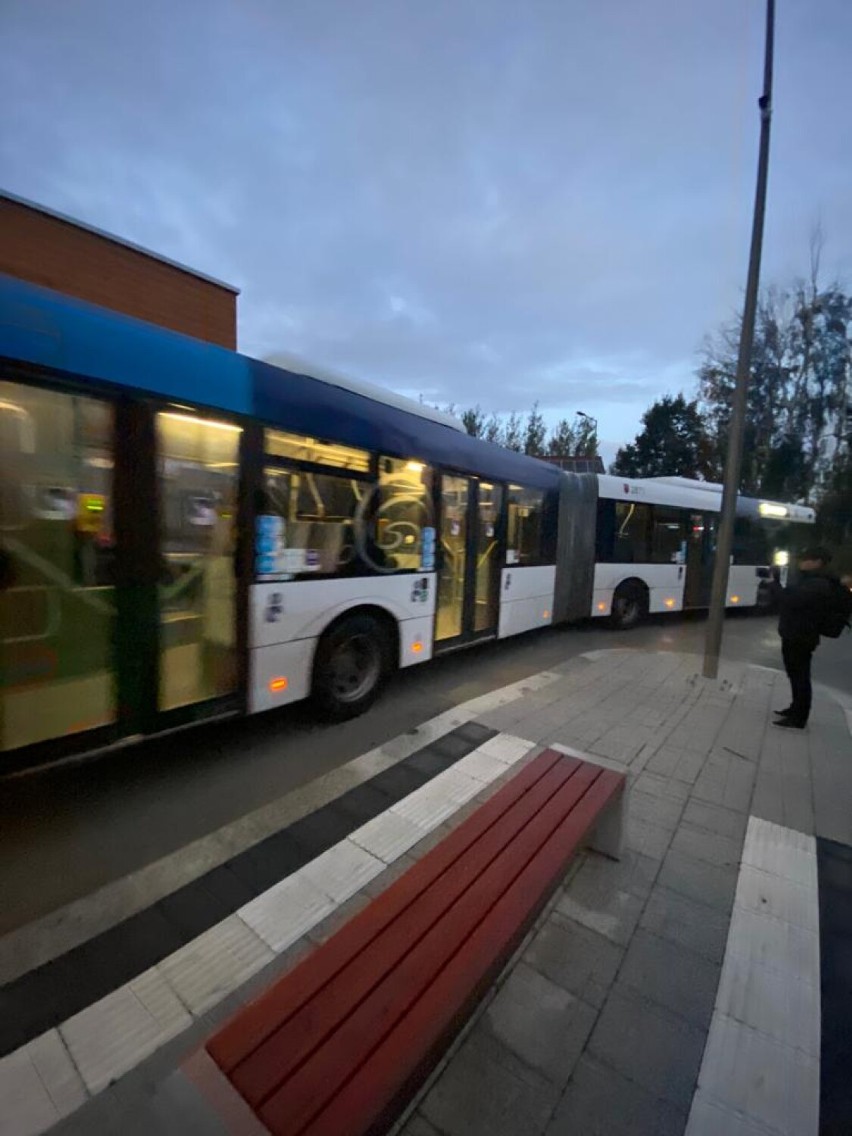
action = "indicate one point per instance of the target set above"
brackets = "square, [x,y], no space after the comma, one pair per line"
[801,606]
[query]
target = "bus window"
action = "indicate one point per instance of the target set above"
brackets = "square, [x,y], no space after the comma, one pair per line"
[298,448]
[632,524]
[751,544]
[319,512]
[404,511]
[667,535]
[524,537]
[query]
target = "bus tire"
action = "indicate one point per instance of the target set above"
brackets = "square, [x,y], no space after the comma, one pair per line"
[629,606]
[352,665]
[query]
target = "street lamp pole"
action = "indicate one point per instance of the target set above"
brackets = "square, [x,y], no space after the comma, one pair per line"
[589,418]
[736,429]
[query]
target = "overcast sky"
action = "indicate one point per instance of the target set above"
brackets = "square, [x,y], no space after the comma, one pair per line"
[478,200]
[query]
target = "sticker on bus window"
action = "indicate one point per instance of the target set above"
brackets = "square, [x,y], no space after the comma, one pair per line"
[511,556]
[455,528]
[489,531]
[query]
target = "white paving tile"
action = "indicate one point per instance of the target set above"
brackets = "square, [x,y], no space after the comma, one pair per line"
[117,1032]
[506,748]
[770,894]
[753,1075]
[482,767]
[709,1118]
[342,870]
[772,943]
[781,852]
[388,835]
[56,1069]
[210,967]
[286,912]
[25,1105]
[782,1006]
[426,812]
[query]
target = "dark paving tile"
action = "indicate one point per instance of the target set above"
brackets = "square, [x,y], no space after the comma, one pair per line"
[430,761]
[320,829]
[228,887]
[601,1102]
[34,1003]
[109,960]
[399,780]
[452,746]
[672,976]
[263,865]
[578,960]
[363,802]
[193,909]
[475,732]
[649,1045]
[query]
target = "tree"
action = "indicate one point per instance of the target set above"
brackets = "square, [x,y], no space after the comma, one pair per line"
[563,440]
[512,437]
[493,431]
[473,421]
[536,432]
[673,442]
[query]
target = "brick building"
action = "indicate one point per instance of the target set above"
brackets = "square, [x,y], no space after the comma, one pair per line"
[57,252]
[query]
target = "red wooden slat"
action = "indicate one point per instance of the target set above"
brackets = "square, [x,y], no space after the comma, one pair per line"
[329,1067]
[284,1050]
[380,1086]
[241,1036]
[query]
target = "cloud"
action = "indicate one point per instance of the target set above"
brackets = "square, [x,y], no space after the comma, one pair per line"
[481,202]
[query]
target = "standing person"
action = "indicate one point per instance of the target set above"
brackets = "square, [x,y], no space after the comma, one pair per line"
[803,606]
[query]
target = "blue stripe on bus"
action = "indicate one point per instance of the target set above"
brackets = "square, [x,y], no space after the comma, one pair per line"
[306,405]
[46,329]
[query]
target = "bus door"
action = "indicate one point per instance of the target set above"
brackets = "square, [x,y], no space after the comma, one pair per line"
[471,551]
[700,547]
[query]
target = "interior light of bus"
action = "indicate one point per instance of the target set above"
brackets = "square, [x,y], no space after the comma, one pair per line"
[768,509]
[669,602]
[414,467]
[201,421]
[276,685]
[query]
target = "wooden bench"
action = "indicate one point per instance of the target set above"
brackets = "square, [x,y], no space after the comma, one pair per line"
[340,1043]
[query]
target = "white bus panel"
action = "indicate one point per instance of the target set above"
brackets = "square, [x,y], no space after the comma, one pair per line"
[526,599]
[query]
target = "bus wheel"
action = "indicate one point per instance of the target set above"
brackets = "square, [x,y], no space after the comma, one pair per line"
[629,606]
[352,666]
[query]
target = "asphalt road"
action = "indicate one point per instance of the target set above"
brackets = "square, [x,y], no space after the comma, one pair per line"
[66,831]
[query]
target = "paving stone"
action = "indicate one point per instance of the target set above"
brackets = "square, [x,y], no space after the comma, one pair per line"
[649,839]
[672,976]
[654,809]
[649,1045]
[486,1091]
[615,918]
[599,877]
[575,958]
[649,782]
[709,846]
[696,926]
[418,1126]
[600,1102]
[540,1022]
[715,818]
[698,880]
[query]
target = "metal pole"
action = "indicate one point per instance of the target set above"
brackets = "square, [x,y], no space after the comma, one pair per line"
[736,428]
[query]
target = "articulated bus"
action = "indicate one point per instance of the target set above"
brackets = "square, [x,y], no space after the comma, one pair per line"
[188,533]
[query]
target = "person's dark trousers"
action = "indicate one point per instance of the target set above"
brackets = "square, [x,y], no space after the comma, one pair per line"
[797,656]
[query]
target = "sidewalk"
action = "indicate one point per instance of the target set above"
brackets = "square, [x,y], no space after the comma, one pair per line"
[714,925]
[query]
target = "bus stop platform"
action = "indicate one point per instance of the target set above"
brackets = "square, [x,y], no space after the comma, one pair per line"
[700,984]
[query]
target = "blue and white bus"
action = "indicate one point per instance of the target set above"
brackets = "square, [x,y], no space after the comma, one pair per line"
[186,533]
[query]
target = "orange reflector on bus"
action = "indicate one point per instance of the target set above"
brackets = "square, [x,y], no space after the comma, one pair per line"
[417,648]
[276,685]
[545,615]
[735,599]
[669,602]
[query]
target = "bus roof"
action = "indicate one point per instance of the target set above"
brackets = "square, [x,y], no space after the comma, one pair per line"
[684,493]
[48,330]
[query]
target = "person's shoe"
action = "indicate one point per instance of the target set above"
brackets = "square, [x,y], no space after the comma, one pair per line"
[784,713]
[789,724]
